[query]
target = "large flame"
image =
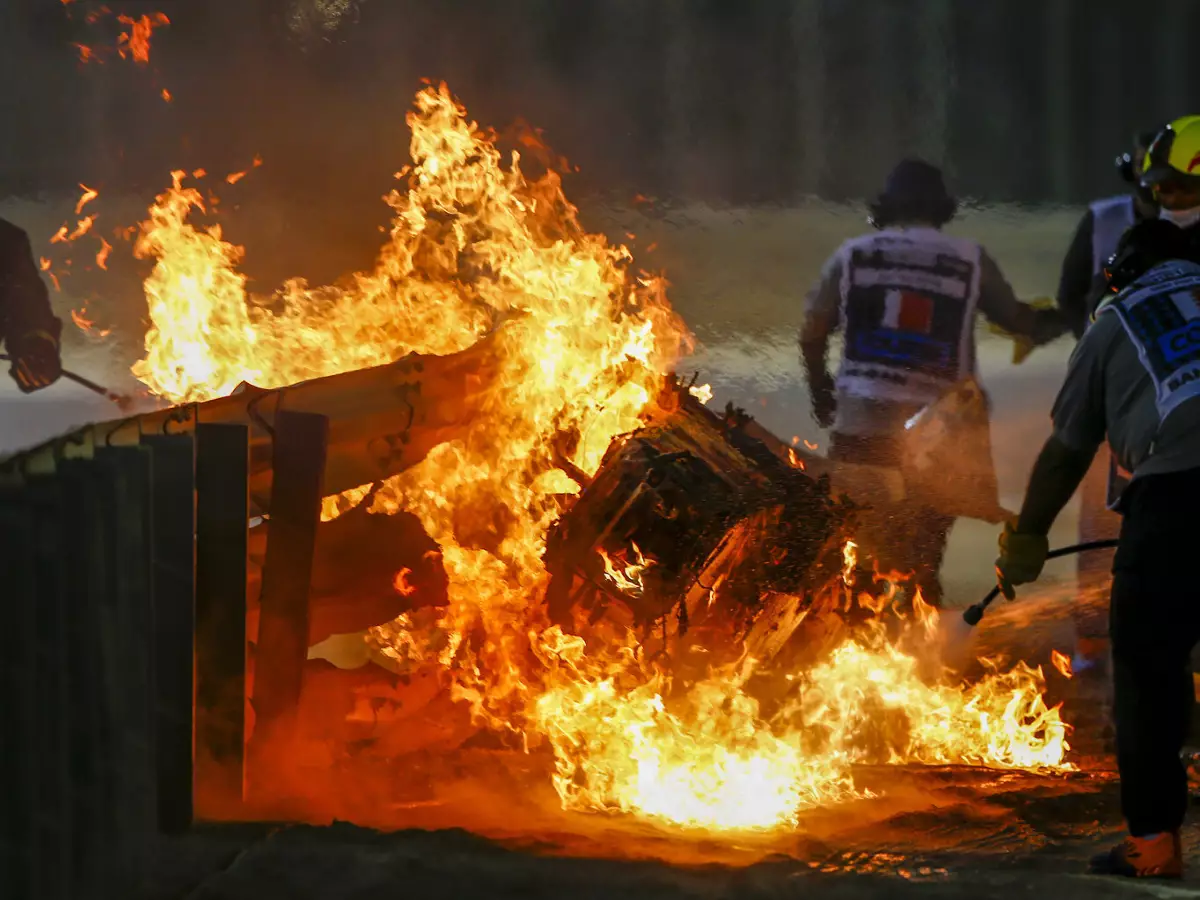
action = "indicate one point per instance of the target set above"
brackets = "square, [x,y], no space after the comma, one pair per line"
[709,758]
[475,247]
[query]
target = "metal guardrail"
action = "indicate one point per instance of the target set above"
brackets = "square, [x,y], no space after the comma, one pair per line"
[96,561]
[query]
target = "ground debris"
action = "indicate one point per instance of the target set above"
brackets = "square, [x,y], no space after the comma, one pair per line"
[994,847]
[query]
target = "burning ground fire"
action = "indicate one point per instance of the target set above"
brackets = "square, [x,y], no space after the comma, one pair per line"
[478,248]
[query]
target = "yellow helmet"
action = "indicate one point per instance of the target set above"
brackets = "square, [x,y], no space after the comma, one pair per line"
[1174,155]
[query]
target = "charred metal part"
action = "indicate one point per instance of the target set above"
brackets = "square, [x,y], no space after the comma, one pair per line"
[718,516]
[222,512]
[382,420]
[281,648]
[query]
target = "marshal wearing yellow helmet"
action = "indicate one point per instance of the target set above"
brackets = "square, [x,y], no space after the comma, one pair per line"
[1171,170]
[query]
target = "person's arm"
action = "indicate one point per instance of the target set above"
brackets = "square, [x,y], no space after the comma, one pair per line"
[821,314]
[1057,474]
[1076,279]
[1000,306]
[1079,430]
[29,327]
[24,300]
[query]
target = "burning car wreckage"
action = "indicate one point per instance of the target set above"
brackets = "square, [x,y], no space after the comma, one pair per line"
[529,518]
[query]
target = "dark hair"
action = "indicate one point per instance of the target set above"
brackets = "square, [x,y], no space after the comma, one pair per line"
[914,192]
[1147,244]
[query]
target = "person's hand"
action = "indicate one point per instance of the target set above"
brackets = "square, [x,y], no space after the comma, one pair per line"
[1023,345]
[36,362]
[823,403]
[1021,559]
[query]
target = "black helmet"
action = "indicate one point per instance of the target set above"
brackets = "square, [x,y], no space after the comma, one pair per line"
[1124,163]
[1143,246]
[914,192]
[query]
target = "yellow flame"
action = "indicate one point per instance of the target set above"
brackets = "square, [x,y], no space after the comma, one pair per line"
[583,344]
[1062,662]
[626,577]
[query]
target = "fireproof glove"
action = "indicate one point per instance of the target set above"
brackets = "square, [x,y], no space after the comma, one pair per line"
[1022,346]
[823,403]
[1021,559]
[36,361]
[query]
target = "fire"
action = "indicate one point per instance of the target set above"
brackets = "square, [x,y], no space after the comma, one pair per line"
[235,177]
[88,195]
[478,248]
[1062,662]
[133,42]
[136,41]
[44,264]
[401,585]
[709,758]
[626,577]
[82,227]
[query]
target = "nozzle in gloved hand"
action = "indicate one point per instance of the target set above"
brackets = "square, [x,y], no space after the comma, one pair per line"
[1022,557]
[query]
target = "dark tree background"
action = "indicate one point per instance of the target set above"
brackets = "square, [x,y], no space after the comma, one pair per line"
[726,101]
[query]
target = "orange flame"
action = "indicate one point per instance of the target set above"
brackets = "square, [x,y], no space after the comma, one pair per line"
[136,41]
[1062,662]
[44,265]
[88,196]
[628,576]
[102,255]
[238,176]
[81,322]
[849,562]
[400,583]
[82,227]
[475,248]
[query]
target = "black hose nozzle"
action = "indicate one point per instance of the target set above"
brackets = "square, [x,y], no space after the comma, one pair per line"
[973,614]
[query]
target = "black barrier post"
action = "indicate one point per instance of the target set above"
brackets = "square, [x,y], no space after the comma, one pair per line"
[174,529]
[88,640]
[54,852]
[222,514]
[19,750]
[281,650]
[125,486]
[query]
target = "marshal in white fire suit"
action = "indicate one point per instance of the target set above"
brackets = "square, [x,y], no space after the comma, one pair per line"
[906,299]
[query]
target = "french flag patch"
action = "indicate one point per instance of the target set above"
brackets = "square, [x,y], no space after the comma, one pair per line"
[908,311]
